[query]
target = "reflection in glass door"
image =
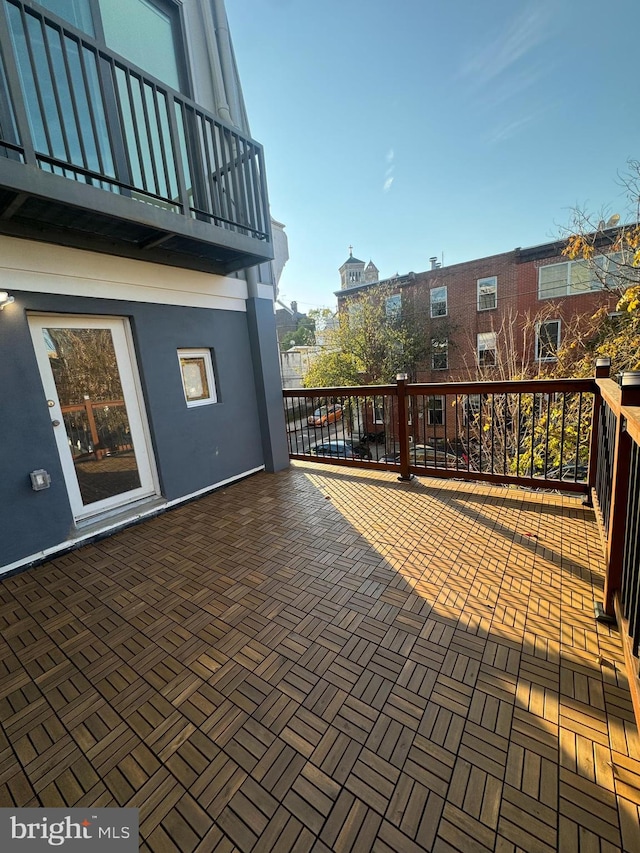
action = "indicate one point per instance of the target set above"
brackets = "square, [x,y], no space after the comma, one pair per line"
[85,371]
[88,379]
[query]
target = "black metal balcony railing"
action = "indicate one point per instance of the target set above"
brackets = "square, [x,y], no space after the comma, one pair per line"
[72,108]
[580,436]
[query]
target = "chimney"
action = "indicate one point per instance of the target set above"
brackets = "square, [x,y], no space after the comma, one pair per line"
[434,263]
[294,307]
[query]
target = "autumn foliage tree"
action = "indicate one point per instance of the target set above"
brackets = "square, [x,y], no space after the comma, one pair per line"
[611,250]
[612,253]
[529,432]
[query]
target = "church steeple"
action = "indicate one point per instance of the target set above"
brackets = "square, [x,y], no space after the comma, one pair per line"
[371,273]
[351,271]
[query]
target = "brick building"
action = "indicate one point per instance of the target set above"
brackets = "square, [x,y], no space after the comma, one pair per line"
[494,316]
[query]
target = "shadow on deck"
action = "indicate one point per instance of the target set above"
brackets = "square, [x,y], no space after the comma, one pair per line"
[328,660]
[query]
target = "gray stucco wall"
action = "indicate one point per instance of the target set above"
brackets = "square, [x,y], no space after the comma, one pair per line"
[266,365]
[33,519]
[194,447]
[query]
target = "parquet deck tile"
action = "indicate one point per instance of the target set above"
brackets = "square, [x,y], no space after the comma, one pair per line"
[266,670]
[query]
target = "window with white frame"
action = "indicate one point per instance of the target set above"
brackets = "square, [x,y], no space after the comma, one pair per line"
[438,301]
[393,306]
[486,349]
[198,381]
[487,293]
[440,354]
[435,410]
[547,340]
[378,410]
[575,277]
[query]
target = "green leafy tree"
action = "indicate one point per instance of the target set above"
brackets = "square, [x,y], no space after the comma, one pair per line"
[379,335]
[320,317]
[303,336]
[333,369]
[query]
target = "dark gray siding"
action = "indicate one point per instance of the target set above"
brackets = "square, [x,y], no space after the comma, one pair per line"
[194,447]
[266,364]
[34,520]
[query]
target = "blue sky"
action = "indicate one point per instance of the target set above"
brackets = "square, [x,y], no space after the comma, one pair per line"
[425,127]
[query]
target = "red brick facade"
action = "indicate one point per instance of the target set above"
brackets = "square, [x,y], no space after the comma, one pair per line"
[515,319]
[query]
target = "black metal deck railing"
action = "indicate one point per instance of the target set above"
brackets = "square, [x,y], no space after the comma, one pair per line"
[526,433]
[618,500]
[580,436]
[630,580]
[73,108]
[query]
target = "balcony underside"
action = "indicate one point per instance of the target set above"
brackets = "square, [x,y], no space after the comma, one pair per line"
[42,206]
[323,660]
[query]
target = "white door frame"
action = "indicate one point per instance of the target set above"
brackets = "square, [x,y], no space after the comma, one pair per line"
[134,402]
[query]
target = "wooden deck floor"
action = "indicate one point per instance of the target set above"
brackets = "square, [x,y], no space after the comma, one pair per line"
[328,660]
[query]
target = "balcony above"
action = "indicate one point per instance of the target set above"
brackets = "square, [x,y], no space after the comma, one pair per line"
[97,155]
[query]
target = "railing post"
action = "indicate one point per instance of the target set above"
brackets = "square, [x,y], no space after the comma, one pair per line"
[603,368]
[403,423]
[630,396]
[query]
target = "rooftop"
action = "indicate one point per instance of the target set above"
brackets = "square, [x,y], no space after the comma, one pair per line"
[329,659]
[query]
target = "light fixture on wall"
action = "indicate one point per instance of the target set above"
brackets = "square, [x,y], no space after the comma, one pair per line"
[5,299]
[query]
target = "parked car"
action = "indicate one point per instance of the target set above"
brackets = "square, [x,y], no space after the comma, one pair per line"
[569,473]
[342,449]
[424,454]
[373,437]
[325,415]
